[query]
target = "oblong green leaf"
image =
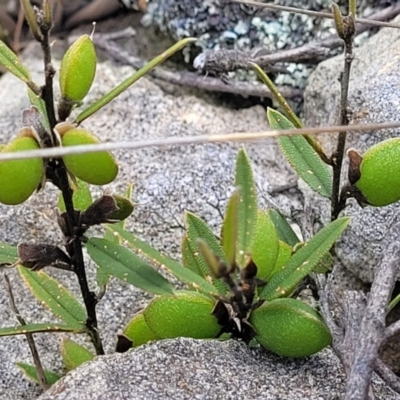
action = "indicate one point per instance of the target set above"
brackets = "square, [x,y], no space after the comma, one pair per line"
[8,254]
[301,156]
[138,331]
[73,354]
[304,261]
[155,257]
[247,208]
[188,259]
[10,61]
[196,229]
[285,231]
[229,231]
[31,373]
[127,266]
[265,248]
[290,328]
[37,328]
[284,254]
[55,297]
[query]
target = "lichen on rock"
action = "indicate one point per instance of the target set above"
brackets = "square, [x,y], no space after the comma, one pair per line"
[220,25]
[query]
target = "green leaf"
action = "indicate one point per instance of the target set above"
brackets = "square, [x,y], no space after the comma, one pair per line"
[8,254]
[196,228]
[229,232]
[31,373]
[39,103]
[97,105]
[81,197]
[102,277]
[292,117]
[325,265]
[285,231]
[123,264]
[188,258]
[138,331]
[303,158]
[12,63]
[54,296]
[304,261]
[155,257]
[213,262]
[265,246]
[74,354]
[247,208]
[37,328]
[285,252]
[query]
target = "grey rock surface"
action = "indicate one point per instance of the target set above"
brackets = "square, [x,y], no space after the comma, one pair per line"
[166,182]
[185,369]
[374,97]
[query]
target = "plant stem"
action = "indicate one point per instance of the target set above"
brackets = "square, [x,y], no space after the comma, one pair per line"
[337,157]
[59,176]
[49,72]
[74,249]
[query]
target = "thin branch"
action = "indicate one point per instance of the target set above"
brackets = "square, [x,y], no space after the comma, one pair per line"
[347,33]
[372,328]
[326,306]
[190,79]
[391,330]
[388,376]
[312,52]
[241,137]
[29,337]
[311,13]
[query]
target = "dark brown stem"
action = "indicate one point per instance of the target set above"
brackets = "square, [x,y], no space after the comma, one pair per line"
[74,249]
[58,174]
[337,157]
[49,72]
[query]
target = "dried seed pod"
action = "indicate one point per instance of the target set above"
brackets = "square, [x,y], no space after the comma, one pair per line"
[78,68]
[290,328]
[20,178]
[97,213]
[186,314]
[95,168]
[37,256]
[378,173]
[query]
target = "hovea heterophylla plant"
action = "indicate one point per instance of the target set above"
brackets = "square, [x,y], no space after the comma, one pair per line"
[240,284]
[45,125]
[238,292]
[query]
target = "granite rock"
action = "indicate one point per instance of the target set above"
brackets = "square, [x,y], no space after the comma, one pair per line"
[185,369]
[374,97]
